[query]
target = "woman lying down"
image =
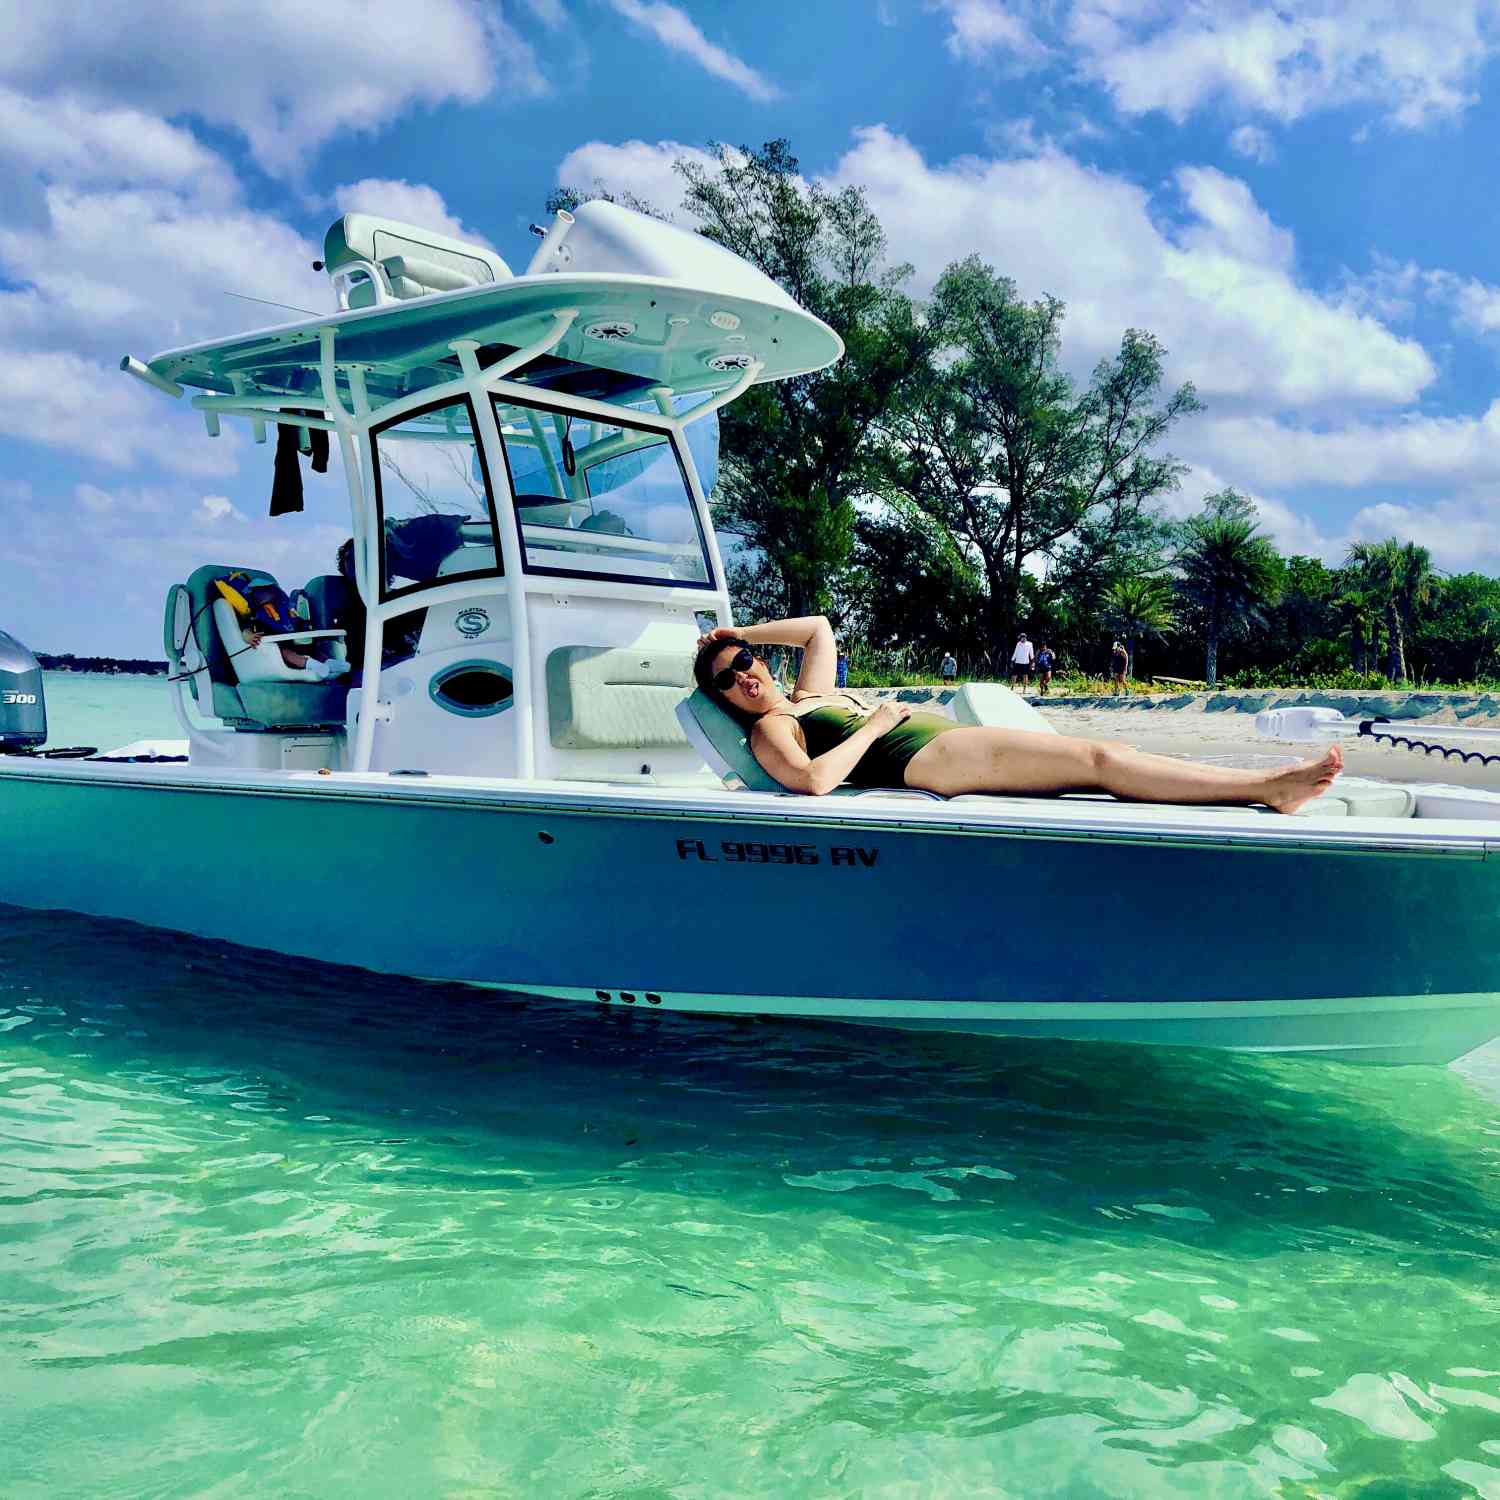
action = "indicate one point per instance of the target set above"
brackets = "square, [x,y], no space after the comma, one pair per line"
[816,738]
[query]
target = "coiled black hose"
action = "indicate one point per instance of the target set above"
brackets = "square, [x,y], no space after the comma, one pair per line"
[1369,730]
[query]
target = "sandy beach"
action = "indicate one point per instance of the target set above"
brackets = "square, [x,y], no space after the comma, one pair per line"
[1229,738]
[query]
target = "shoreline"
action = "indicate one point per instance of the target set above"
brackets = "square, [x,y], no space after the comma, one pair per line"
[1220,727]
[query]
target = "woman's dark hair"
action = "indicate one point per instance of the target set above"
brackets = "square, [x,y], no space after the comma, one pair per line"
[703,664]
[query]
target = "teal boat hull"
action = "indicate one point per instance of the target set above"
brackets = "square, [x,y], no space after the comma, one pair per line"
[816,908]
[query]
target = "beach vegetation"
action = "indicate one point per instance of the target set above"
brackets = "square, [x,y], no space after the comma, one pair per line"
[1226,573]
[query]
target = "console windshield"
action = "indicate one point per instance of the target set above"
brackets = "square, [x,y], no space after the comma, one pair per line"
[601,499]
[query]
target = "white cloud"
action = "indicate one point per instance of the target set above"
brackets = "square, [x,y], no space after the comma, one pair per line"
[129,242]
[1393,289]
[675,29]
[1253,143]
[981,28]
[1461,530]
[1414,63]
[548,12]
[1463,535]
[133,271]
[1475,303]
[66,401]
[285,74]
[413,202]
[1406,451]
[633,166]
[1293,531]
[91,497]
[215,508]
[1219,287]
[59,139]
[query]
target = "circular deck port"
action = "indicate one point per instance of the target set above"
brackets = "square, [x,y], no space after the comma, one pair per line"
[472,689]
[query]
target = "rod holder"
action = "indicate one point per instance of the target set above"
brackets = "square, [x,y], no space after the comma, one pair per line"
[133,366]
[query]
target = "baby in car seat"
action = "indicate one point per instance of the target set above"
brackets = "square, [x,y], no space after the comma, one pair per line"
[297,660]
[263,610]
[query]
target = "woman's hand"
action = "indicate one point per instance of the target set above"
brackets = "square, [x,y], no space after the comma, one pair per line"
[888,716]
[718,633]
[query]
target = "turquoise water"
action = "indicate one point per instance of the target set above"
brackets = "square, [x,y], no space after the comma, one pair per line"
[273,1228]
[91,708]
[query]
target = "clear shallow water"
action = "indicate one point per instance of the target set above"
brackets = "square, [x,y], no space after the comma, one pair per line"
[107,711]
[273,1228]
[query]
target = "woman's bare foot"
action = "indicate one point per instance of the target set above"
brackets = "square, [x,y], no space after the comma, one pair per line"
[1296,787]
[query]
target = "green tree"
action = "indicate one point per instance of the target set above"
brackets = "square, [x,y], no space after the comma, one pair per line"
[1304,610]
[992,440]
[911,584]
[1139,609]
[566,199]
[1226,571]
[1357,614]
[798,454]
[1399,578]
[1460,641]
[1415,586]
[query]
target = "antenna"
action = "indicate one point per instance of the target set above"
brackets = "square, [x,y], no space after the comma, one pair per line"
[266,302]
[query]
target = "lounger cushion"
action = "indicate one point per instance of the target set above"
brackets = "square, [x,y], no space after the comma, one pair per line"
[1367,799]
[724,743]
[994,706]
[609,698]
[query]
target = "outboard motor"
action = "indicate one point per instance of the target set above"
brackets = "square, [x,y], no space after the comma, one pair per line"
[23,708]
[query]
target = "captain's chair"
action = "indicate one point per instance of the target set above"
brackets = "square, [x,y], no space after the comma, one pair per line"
[247,687]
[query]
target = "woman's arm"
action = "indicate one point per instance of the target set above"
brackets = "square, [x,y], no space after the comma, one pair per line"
[780,749]
[812,633]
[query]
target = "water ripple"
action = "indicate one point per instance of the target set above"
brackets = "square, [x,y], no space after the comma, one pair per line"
[275,1228]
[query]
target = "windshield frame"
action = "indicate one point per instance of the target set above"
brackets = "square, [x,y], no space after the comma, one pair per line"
[498,571]
[645,422]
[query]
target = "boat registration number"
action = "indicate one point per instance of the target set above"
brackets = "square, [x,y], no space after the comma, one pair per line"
[749,852]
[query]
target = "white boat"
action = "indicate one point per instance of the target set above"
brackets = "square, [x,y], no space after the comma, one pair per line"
[514,787]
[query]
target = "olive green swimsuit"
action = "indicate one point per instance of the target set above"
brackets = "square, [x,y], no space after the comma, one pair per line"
[885,762]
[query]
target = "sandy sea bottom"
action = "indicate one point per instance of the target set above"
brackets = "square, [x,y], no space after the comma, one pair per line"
[273,1228]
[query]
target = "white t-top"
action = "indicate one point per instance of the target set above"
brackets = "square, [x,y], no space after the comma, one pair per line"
[1024,654]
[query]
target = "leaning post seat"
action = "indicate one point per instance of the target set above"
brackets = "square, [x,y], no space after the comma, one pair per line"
[373,260]
[199,639]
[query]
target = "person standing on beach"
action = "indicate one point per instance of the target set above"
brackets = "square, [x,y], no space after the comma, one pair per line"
[1119,665]
[1044,661]
[1020,661]
[949,668]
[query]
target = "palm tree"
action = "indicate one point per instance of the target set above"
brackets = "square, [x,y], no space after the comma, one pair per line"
[1356,615]
[1228,569]
[1415,587]
[1399,578]
[1139,608]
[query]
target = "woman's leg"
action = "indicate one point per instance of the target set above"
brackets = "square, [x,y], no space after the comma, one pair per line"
[1026,761]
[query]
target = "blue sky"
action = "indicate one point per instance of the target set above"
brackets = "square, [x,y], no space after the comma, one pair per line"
[1298,201]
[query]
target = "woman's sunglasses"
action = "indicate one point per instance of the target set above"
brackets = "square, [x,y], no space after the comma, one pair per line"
[723,679]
